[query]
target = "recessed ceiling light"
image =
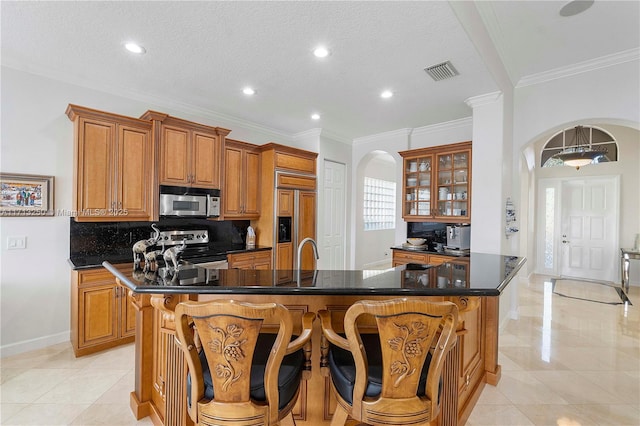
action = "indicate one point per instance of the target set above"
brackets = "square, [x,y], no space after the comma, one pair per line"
[315,116]
[386,94]
[248,91]
[134,48]
[575,7]
[321,52]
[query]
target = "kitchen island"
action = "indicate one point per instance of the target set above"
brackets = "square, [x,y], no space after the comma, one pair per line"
[475,287]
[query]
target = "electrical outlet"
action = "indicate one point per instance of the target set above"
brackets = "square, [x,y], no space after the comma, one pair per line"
[16,243]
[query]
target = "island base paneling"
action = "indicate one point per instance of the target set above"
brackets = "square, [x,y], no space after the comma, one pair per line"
[160,390]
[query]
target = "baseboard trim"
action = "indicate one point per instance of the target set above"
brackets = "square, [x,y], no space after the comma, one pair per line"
[33,344]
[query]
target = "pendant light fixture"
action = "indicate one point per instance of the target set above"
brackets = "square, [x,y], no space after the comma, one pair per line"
[581,152]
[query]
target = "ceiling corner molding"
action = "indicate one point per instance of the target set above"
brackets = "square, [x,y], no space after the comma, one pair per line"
[406,132]
[487,98]
[307,133]
[580,67]
[440,127]
[336,137]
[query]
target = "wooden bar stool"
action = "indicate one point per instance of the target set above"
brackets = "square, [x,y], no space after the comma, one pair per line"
[391,376]
[242,375]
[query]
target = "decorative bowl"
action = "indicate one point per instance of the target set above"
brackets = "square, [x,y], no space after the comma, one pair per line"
[416,241]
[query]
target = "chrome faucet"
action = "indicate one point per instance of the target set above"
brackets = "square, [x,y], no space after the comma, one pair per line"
[314,245]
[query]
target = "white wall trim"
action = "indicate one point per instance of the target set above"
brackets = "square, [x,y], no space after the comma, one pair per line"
[307,133]
[377,264]
[440,127]
[406,132]
[320,132]
[34,344]
[487,98]
[580,67]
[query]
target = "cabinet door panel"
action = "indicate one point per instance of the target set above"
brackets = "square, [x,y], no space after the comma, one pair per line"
[232,194]
[174,156]
[98,313]
[307,227]
[206,160]
[128,313]
[285,202]
[134,169]
[471,350]
[284,262]
[95,164]
[251,187]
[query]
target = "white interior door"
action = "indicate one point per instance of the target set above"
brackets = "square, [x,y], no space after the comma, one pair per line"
[589,228]
[332,250]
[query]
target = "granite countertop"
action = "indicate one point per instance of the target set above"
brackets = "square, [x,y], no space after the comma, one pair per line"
[95,261]
[485,275]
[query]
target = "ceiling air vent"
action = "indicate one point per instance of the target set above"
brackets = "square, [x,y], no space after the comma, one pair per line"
[441,71]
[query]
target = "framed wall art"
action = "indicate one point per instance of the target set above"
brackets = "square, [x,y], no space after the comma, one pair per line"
[26,195]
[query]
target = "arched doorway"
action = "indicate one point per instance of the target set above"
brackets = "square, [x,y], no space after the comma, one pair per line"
[376,210]
[579,218]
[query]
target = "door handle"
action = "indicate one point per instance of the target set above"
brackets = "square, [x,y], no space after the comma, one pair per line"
[565,241]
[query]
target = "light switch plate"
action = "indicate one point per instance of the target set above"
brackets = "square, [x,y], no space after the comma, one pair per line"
[16,242]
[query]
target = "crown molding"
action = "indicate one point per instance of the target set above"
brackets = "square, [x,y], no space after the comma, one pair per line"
[406,132]
[157,101]
[307,134]
[580,67]
[480,100]
[440,127]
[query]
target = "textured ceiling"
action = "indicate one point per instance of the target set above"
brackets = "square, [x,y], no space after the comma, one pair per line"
[201,54]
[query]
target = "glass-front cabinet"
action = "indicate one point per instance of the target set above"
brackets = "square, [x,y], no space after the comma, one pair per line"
[451,274]
[436,183]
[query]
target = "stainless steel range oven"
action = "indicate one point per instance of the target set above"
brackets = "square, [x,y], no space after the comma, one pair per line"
[197,251]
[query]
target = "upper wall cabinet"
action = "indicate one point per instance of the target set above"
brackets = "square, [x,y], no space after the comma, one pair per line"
[437,184]
[190,154]
[241,194]
[114,170]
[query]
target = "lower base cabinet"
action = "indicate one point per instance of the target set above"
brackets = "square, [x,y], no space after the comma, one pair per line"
[250,260]
[101,312]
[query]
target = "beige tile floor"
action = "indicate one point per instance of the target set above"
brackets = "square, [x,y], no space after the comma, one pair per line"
[565,362]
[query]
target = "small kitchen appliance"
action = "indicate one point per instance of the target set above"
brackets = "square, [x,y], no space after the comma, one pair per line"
[458,237]
[189,202]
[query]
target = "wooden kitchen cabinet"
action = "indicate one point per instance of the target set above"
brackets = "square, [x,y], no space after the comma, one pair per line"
[402,257]
[437,184]
[102,314]
[241,196]
[250,260]
[471,344]
[114,169]
[190,154]
[287,195]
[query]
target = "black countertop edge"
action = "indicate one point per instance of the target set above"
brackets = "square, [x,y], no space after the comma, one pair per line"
[96,261]
[441,253]
[490,291]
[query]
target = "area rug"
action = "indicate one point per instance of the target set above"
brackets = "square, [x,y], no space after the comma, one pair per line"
[591,291]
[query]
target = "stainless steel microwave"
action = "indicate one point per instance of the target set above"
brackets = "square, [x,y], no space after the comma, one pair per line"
[175,201]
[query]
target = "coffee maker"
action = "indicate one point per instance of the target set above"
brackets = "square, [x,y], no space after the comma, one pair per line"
[458,237]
